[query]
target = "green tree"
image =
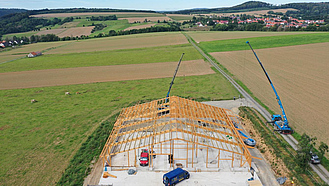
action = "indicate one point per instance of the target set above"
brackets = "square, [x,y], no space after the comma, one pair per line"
[305,146]
[323,148]
[32,39]
[221,27]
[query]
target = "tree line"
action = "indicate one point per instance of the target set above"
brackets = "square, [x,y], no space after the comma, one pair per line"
[22,22]
[6,11]
[79,10]
[103,18]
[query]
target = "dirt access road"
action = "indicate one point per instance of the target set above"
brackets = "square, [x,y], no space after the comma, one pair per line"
[82,75]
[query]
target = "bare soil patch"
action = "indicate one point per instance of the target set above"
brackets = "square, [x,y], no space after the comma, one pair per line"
[140,26]
[76,32]
[142,19]
[123,42]
[69,25]
[82,75]
[212,36]
[276,163]
[300,75]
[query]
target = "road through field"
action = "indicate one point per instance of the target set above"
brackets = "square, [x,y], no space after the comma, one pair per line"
[82,75]
[266,175]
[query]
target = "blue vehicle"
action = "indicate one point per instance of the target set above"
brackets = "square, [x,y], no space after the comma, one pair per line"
[249,141]
[282,126]
[175,176]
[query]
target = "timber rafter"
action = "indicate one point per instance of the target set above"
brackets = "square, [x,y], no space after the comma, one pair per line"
[167,119]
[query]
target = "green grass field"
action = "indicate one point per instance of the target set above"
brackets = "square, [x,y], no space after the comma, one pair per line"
[263,42]
[24,34]
[181,18]
[103,58]
[38,140]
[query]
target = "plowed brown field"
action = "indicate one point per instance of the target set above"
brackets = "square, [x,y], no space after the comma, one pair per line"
[123,42]
[54,77]
[78,31]
[140,26]
[300,75]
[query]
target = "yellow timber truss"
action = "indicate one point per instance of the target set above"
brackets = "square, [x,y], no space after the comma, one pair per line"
[172,121]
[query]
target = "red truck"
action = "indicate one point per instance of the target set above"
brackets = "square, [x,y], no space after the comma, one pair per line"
[144,159]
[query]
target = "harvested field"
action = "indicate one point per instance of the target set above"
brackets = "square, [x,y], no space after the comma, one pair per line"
[123,42]
[218,35]
[142,19]
[52,31]
[82,75]
[76,32]
[96,13]
[179,17]
[256,13]
[69,24]
[300,75]
[140,26]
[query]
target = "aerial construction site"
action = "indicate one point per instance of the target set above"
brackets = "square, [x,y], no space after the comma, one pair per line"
[176,133]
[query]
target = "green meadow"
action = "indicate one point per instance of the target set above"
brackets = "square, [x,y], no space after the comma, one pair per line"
[103,58]
[263,42]
[38,140]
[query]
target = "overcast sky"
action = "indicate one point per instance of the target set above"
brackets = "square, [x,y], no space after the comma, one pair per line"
[129,4]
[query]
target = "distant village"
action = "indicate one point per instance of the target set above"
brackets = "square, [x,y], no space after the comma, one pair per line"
[269,22]
[4,44]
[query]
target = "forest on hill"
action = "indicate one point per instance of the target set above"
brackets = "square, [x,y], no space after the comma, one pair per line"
[304,10]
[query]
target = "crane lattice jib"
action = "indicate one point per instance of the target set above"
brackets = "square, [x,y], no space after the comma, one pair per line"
[276,94]
[173,79]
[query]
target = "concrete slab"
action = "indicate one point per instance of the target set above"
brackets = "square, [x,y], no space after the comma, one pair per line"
[196,179]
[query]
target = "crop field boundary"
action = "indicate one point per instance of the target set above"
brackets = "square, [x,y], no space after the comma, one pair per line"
[82,75]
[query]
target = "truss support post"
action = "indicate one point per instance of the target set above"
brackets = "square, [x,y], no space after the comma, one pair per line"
[218,157]
[135,157]
[186,154]
[207,158]
[128,159]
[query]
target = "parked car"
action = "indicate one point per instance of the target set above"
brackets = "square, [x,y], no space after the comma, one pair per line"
[315,159]
[175,176]
[144,158]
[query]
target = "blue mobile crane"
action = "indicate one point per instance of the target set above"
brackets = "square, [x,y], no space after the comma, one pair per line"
[248,141]
[282,126]
[164,108]
[173,79]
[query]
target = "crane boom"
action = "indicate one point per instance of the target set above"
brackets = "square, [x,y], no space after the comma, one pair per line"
[173,79]
[285,126]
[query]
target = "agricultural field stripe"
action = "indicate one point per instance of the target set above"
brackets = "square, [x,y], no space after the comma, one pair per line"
[82,75]
[263,42]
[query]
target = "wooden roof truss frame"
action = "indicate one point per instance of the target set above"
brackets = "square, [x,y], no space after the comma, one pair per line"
[148,124]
